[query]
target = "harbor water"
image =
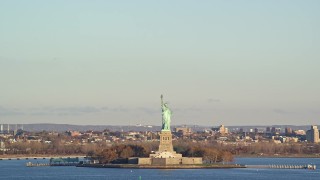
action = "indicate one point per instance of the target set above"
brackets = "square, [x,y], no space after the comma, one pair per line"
[16,169]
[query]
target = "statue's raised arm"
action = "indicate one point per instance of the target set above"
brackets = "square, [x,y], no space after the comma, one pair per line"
[161,99]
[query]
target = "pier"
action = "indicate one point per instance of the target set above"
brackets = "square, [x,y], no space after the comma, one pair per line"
[277,166]
[56,162]
[30,164]
[47,157]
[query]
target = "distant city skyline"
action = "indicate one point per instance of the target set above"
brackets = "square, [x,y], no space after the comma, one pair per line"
[216,62]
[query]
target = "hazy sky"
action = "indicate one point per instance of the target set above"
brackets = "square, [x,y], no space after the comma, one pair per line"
[107,62]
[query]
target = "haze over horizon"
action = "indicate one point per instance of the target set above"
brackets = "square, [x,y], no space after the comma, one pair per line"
[107,63]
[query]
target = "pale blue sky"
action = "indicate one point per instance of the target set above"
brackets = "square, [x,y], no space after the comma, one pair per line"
[107,62]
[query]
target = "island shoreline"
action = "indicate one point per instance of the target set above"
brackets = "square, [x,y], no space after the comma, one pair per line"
[136,166]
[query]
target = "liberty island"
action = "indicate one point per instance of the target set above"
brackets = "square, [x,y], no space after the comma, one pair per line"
[165,157]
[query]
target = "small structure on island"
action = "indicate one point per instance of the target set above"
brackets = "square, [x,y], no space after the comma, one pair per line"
[165,154]
[64,161]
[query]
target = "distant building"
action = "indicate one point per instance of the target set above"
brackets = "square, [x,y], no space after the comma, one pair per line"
[268,130]
[283,139]
[73,133]
[2,146]
[241,130]
[221,129]
[258,130]
[226,130]
[183,130]
[275,130]
[300,132]
[313,134]
[292,139]
[288,131]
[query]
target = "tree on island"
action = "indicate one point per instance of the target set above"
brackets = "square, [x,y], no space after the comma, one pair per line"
[209,153]
[121,151]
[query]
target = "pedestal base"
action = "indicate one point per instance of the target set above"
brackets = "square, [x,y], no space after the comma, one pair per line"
[165,142]
[166,156]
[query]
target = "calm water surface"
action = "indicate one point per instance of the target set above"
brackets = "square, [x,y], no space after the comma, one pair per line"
[16,169]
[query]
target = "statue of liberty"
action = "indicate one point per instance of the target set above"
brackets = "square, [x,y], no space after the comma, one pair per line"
[166,116]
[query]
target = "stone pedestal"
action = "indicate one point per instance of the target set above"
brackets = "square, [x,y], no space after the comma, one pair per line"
[165,142]
[165,147]
[166,156]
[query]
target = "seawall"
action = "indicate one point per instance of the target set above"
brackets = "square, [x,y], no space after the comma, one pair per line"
[136,166]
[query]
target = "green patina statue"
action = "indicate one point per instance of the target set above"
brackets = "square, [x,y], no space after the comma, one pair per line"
[166,116]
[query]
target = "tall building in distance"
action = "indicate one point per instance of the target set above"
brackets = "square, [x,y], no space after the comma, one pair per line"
[313,134]
[221,129]
[268,129]
[288,131]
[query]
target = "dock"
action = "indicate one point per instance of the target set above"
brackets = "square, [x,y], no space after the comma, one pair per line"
[277,166]
[30,164]
[56,162]
[46,157]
